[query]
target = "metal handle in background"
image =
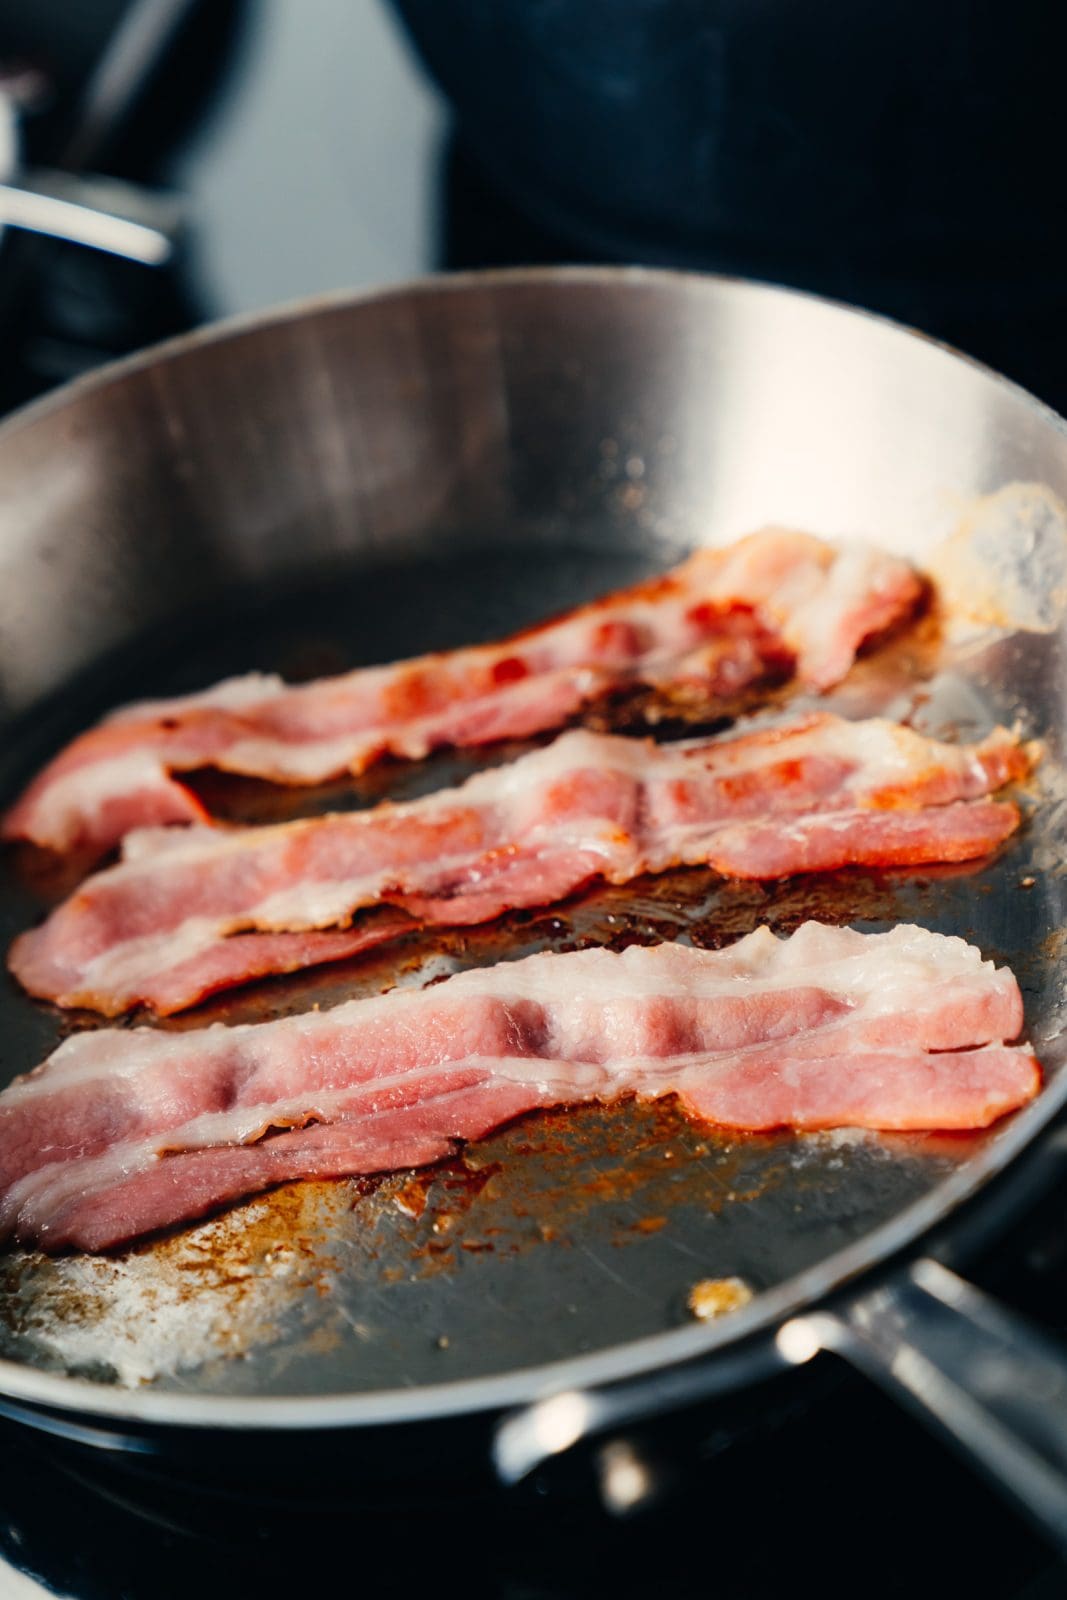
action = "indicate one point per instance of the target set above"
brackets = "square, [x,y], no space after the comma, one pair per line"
[99,212]
[981,1375]
[102,213]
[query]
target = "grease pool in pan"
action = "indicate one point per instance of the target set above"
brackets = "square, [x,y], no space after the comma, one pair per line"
[564,1232]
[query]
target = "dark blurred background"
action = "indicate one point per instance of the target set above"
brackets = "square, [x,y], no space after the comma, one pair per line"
[895,156]
[900,157]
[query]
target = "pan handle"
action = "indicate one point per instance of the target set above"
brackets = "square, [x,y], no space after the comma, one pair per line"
[979,1374]
[101,213]
[982,1376]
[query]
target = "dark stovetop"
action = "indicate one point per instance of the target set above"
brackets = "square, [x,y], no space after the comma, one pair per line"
[828,1485]
[852,1500]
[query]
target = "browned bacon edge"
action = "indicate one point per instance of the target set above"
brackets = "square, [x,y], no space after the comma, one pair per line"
[721,622]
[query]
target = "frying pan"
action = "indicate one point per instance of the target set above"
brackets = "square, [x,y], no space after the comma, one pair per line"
[361,478]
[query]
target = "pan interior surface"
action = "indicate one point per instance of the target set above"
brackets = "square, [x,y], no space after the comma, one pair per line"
[576,1232]
[564,1232]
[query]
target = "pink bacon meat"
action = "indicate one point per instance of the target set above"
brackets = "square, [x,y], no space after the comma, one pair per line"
[171,923]
[719,623]
[122,1132]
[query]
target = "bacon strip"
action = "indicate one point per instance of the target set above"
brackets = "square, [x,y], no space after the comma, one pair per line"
[122,1132]
[170,923]
[721,622]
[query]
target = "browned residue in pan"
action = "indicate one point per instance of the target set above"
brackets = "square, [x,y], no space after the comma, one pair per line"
[218,1287]
[1053,945]
[223,1287]
[536,1180]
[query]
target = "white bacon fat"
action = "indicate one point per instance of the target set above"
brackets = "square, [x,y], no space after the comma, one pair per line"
[123,1132]
[721,622]
[192,911]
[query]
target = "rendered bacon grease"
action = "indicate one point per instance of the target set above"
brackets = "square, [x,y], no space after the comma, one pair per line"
[122,1132]
[725,620]
[171,923]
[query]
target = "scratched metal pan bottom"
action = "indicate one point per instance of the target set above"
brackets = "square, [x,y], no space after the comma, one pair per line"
[569,1241]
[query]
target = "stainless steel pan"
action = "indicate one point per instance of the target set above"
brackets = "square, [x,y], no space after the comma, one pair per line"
[366,477]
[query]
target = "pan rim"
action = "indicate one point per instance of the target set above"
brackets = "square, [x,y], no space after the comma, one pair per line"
[181,1409]
[306,307]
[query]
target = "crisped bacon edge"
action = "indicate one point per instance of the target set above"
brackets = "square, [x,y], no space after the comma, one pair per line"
[819,599]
